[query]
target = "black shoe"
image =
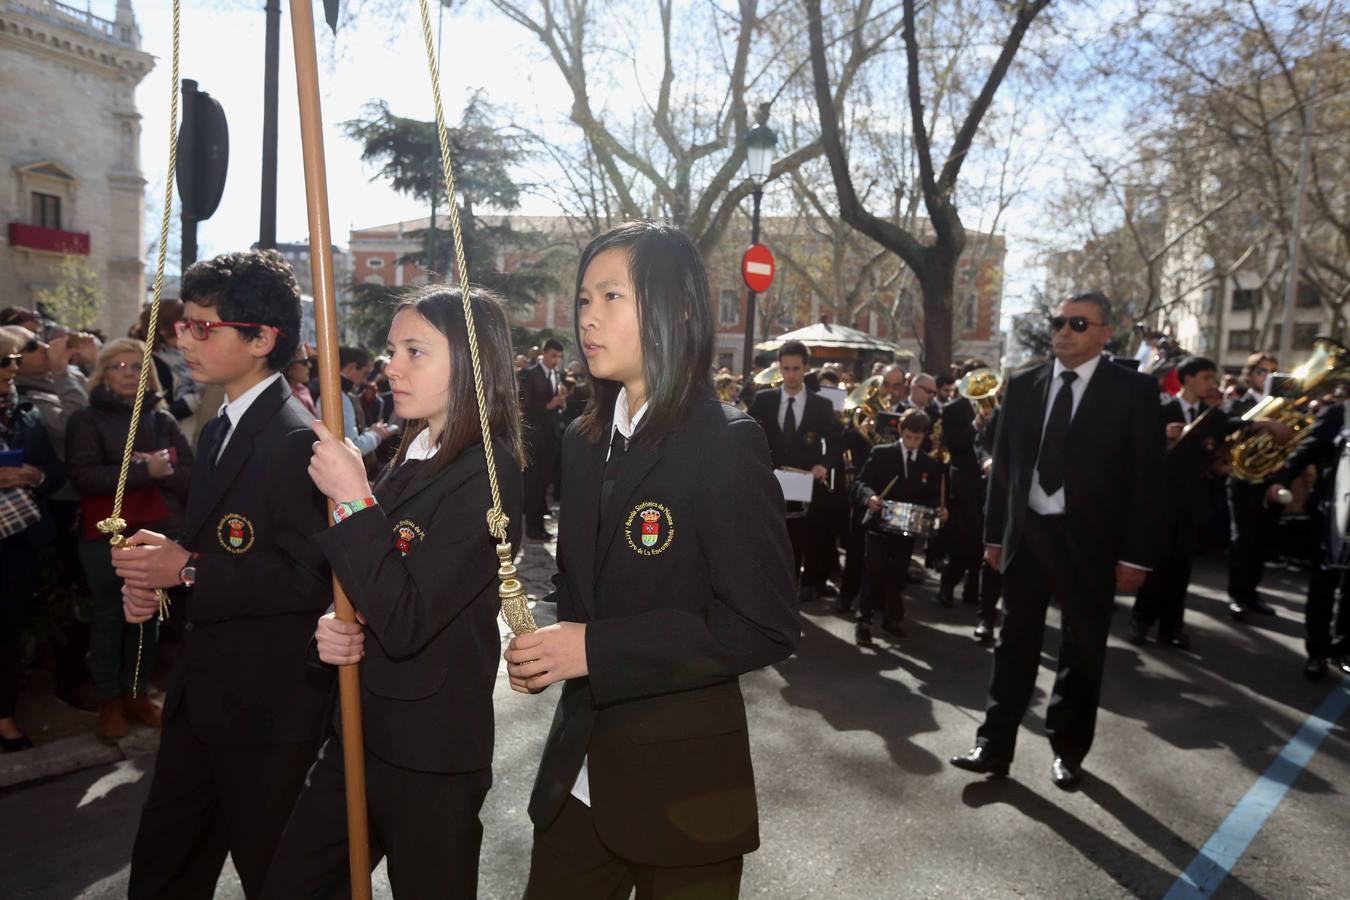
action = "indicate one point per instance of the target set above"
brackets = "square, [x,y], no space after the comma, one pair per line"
[980,760]
[984,631]
[894,629]
[1342,663]
[1237,611]
[1315,669]
[1176,639]
[946,600]
[1064,774]
[1137,633]
[862,635]
[1260,606]
[14,745]
[538,534]
[827,590]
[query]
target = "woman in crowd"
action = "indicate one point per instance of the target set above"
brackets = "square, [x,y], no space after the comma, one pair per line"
[182,395]
[416,559]
[29,473]
[674,578]
[155,498]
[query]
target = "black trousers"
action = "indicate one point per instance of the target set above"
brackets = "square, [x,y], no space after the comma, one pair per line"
[425,822]
[1162,597]
[1327,616]
[809,535]
[570,862]
[887,572]
[1046,566]
[855,544]
[1254,526]
[207,801]
[991,591]
[538,474]
[965,552]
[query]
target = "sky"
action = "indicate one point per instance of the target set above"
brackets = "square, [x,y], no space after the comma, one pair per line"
[222,49]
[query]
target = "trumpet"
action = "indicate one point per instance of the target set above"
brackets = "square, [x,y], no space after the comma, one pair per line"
[980,387]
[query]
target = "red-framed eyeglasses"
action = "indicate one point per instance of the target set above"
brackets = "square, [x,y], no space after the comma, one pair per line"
[202,330]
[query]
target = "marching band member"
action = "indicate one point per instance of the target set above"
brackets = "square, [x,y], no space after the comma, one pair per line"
[1070,514]
[419,565]
[1183,498]
[674,578]
[1254,520]
[917,479]
[963,534]
[1327,615]
[243,717]
[800,426]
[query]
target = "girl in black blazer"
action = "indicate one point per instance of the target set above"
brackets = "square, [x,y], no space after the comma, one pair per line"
[674,578]
[419,565]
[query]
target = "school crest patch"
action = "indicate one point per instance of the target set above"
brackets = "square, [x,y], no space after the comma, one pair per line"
[650,528]
[406,533]
[235,533]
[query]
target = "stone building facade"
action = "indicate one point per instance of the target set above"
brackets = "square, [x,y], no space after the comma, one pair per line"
[70,134]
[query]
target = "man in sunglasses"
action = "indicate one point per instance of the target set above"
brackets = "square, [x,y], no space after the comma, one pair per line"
[245,712]
[1071,513]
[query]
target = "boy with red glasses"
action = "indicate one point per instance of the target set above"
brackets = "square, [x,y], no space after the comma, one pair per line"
[244,715]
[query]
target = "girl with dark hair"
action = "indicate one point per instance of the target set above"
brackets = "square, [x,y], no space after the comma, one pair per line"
[674,578]
[415,557]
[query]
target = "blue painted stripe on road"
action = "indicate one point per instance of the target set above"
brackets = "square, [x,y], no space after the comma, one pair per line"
[1226,846]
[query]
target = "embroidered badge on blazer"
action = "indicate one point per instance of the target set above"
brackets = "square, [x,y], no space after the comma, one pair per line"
[649,528]
[923,478]
[235,533]
[405,533]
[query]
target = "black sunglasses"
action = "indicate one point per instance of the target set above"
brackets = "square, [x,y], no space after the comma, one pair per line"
[12,359]
[31,346]
[1077,323]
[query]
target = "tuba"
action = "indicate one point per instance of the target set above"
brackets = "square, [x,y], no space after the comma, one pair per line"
[980,387]
[1257,457]
[862,405]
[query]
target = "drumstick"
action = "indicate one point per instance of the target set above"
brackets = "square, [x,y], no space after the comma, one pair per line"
[882,495]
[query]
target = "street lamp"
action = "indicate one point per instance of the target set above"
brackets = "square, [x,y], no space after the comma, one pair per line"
[759,151]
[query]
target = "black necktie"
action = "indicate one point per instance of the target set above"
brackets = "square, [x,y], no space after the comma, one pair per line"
[220,429]
[1190,414]
[618,446]
[1051,465]
[790,422]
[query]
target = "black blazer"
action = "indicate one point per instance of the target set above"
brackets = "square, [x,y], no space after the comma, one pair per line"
[1112,470]
[685,583]
[815,421]
[422,568]
[542,425]
[261,583]
[887,461]
[1184,491]
[1322,448]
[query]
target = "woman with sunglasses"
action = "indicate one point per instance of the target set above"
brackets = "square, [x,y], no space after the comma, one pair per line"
[155,497]
[674,578]
[29,473]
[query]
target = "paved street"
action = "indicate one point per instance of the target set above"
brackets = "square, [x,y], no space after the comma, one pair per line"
[857,800]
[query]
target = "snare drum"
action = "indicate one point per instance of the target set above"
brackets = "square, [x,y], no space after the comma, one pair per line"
[908,519]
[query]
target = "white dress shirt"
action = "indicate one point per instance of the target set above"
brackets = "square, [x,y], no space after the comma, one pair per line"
[581,788]
[1038,500]
[234,409]
[799,397]
[1189,411]
[421,448]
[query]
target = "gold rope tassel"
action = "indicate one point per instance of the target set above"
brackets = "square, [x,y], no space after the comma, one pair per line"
[515,608]
[114,525]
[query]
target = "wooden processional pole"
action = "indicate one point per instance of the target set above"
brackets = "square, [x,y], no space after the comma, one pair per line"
[330,387]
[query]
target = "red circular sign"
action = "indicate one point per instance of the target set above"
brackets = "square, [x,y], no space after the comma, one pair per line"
[757,268]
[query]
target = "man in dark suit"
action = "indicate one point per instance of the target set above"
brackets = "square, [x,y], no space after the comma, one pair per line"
[1327,614]
[801,428]
[1254,520]
[1183,497]
[541,403]
[913,477]
[244,714]
[1071,513]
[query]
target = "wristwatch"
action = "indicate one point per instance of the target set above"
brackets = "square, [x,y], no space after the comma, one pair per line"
[187,576]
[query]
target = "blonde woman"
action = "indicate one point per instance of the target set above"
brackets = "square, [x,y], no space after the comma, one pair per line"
[156,494]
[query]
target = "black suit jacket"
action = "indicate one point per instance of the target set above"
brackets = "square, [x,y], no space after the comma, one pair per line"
[1112,468]
[886,461]
[1322,448]
[543,426]
[1184,490]
[422,568]
[684,581]
[261,583]
[816,422]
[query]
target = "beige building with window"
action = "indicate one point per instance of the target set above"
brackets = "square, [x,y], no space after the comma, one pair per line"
[70,152]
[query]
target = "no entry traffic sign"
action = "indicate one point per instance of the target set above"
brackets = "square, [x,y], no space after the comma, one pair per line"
[757,268]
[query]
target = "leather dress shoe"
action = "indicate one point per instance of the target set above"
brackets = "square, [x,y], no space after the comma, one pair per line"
[1137,632]
[1342,663]
[827,590]
[1315,669]
[1064,774]
[1177,639]
[980,760]
[14,745]
[984,631]
[862,635]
